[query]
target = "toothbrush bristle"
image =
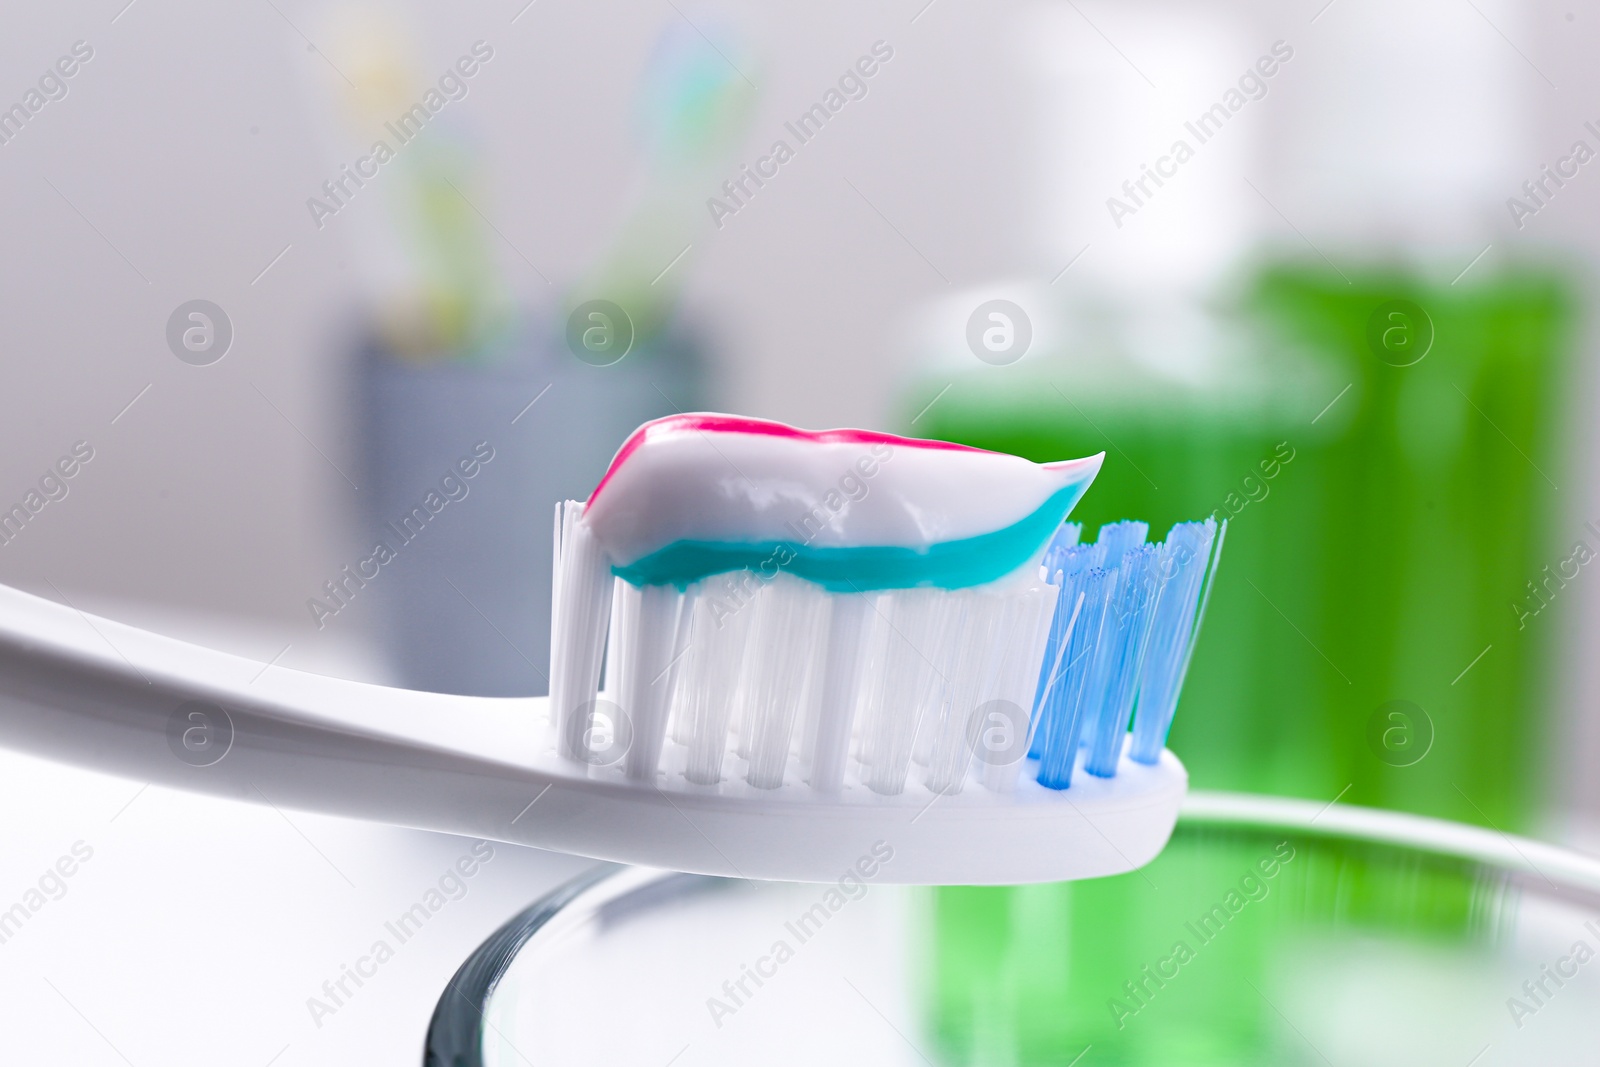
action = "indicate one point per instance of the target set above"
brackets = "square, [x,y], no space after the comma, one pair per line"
[581,611]
[777,681]
[1194,549]
[1128,650]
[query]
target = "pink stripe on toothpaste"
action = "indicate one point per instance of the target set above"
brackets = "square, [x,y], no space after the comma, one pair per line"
[703,422]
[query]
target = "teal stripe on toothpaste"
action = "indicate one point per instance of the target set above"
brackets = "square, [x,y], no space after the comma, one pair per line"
[946,565]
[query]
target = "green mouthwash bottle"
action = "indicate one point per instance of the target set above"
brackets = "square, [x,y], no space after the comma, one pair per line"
[1388,450]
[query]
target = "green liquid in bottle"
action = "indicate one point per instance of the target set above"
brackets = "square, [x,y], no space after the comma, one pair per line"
[1389,461]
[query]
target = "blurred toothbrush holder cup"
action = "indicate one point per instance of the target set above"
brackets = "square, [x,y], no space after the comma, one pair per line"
[464,457]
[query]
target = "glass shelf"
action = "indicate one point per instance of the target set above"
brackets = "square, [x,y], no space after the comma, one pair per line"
[1270,932]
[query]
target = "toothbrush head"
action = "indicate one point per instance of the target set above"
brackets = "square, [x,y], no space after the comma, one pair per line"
[815,638]
[797,833]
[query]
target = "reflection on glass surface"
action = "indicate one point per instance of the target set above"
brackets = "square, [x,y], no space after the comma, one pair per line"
[1274,940]
[1239,948]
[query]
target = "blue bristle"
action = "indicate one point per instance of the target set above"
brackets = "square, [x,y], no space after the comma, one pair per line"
[1052,663]
[1070,564]
[1063,559]
[1062,717]
[1120,537]
[1120,656]
[1126,619]
[1174,631]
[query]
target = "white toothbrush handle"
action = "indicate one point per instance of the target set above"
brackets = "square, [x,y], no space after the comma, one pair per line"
[95,693]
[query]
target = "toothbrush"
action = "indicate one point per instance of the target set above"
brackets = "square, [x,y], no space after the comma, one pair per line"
[917,621]
[844,619]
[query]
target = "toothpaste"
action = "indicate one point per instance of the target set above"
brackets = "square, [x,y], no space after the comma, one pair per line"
[692,496]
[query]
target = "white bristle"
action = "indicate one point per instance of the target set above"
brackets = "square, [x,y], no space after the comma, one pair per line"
[649,622]
[875,635]
[993,660]
[777,681]
[710,681]
[744,592]
[836,706]
[936,707]
[580,614]
[614,638]
[680,726]
[1019,651]
[950,745]
[907,683]
[790,625]
[782,676]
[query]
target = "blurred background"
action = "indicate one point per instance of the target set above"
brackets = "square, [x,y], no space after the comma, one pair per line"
[1323,279]
[284,271]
